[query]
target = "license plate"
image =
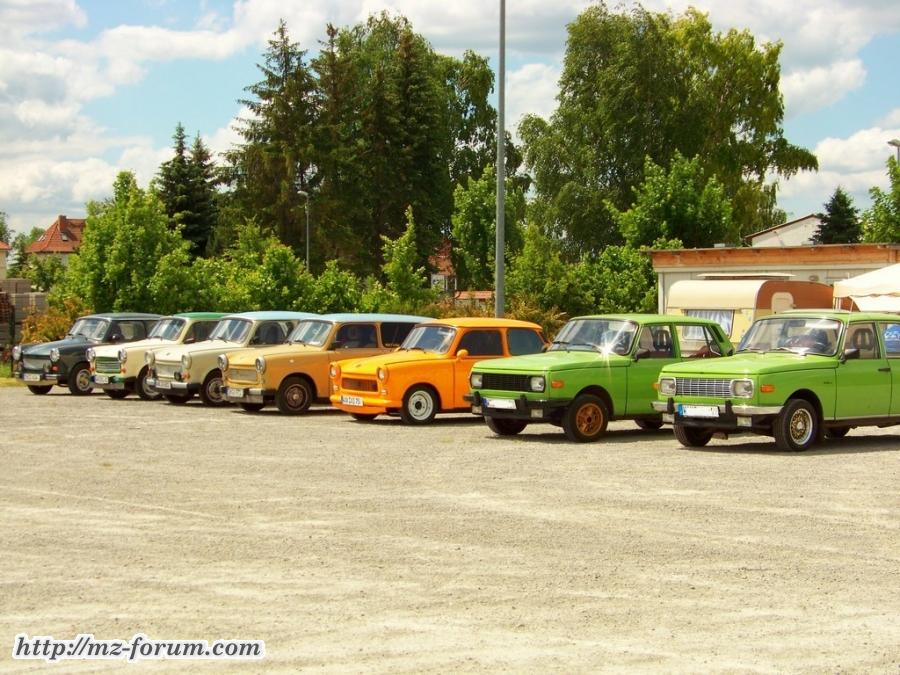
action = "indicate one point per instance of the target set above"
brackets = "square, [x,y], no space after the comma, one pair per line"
[160,384]
[101,379]
[352,400]
[231,392]
[698,410]
[31,377]
[499,403]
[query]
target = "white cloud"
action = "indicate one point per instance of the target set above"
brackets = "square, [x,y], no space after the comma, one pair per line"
[531,89]
[892,119]
[815,88]
[24,17]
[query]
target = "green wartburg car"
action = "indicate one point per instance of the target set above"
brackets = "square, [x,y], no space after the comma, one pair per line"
[797,376]
[598,368]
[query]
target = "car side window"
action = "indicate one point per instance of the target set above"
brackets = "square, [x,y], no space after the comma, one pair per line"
[269,333]
[199,331]
[482,343]
[523,341]
[861,336]
[130,330]
[393,333]
[697,342]
[658,341]
[890,333]
[356,336]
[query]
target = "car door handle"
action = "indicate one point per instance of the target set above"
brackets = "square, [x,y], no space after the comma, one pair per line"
[884,370]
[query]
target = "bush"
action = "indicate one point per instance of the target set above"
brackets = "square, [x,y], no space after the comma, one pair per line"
[55,323]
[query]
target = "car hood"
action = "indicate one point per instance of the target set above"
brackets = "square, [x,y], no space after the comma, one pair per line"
[69,344]
[273,352]
[555,360]
[175,352]
[750,364]
[372,363]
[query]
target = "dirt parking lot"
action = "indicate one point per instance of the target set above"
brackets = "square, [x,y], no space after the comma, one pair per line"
[379,547]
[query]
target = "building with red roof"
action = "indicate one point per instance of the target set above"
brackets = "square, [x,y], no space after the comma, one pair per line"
[62,238]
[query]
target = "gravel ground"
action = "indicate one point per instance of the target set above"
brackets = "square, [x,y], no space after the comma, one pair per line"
[379,547]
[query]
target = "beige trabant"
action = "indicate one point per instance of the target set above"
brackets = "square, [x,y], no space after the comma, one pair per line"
[295,374]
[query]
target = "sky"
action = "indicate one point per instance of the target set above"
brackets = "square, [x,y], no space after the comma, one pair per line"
[92,87]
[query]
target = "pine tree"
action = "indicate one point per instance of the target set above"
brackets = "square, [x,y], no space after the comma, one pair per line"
[203,213]
[840,222]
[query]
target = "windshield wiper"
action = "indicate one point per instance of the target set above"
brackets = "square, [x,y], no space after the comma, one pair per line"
[409,349]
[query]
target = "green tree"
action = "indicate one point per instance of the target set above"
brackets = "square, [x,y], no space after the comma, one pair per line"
[43,271]
[408,285]
[20,244]
[5,232]
[643,84]
[881,222]
[679,203]
[840,222]
[475,228]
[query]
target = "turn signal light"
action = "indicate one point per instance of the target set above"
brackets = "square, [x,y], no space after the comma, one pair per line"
[557,384]
[766,388]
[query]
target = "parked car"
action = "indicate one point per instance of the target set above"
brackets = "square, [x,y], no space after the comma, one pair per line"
[121,371]
[295,374]
[429,373]
[65,362]
[797,376]
[598,368]
[180,371]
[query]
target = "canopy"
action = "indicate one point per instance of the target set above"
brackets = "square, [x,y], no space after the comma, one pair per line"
[878,290]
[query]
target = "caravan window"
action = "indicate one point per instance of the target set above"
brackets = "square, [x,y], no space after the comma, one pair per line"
[723,317]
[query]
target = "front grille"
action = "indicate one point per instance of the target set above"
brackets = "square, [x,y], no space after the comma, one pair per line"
[167,370]
[505,382]
[356,384]
[35,363]
[242,374]
[106,364]
[702,387]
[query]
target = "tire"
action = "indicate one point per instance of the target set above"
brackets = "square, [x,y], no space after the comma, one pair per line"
[145,392]
[40,389]
[253,407]
[836,432]
[420,405]
[363,417]
[585,419]
[294,396]
[117,394]
[79,380]
[692,437]
[797,426]
[505,427]
[649,425]
[178,399]
[211,392]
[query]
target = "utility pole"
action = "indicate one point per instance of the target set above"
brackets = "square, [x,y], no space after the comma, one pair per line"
[501,169]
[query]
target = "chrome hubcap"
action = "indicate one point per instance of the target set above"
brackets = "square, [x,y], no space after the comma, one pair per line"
[214,390]
[83,380]
[420,405]
[801,427]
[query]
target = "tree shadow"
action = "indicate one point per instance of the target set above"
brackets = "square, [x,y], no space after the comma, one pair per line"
[849,445]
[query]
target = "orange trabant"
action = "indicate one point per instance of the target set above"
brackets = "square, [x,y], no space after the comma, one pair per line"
[429,372]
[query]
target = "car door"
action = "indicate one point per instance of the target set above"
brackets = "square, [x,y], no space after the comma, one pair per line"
[890,337]
[864,383]
[655,347]
[481,343]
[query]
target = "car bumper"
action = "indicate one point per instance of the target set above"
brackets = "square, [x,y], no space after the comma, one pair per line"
[729,416]
[248,395]
[37,379]
[112,382]
[368,405]
[172,387]
[535,410]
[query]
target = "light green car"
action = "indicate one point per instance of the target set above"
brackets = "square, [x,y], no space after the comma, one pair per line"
[797,376]
[598,368]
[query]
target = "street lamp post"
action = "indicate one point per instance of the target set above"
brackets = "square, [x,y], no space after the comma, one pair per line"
[501,168]
[896,143]
[306,196]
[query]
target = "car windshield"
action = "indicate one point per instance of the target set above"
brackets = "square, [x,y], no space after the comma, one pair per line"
[435,339]
[92,329]
[167,329]
[608,336]
[231,330]
[791,334]
[311,333]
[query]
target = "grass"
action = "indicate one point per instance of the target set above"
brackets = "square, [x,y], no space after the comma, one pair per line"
[6,379]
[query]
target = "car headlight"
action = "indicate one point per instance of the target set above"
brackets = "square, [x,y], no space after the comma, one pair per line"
[186,361]
[149,358]
[381,374]
[742,388]
[90,354]
[667,386]
[260,364]
[54,354]
[334,371]
[537,383]
[475,380]
[123,355]
[17,353]
[222,362]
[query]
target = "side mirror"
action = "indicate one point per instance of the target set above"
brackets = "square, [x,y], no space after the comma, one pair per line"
[641,354]
[849,354]
[729,351]
[462,353]
[116,337]
[337,344]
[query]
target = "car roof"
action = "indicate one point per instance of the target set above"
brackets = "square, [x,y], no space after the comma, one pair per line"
[271,315]
[121,315]
[483,322]
[649,318]
[344,317]
[200,315]
[838,314]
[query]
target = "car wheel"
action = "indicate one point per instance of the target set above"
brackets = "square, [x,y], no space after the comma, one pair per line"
[505,427]
[363,417]
[585,419]
[211,393]
[692,437]
[797,426]
[40,389]
[178,399]
[836,432]
[143,389]
[253,407]
[117,393]
[79,380]
[649,425]
[419,405]
[294,396]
